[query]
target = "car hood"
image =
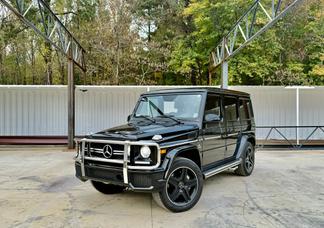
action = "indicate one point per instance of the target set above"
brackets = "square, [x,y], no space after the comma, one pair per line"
[136,132]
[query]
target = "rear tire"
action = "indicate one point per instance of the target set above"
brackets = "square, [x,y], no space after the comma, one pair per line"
[107,188]
[183,187]
[248,160]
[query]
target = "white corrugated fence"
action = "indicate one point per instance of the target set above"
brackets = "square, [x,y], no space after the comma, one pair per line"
[42,110]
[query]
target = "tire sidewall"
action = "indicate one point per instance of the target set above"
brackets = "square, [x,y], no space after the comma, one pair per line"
[248,145]
[182,162]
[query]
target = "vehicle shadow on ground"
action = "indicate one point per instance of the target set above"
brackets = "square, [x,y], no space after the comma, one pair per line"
[210,182]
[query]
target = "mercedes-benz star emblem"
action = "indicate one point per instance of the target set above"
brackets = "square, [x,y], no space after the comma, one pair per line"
[107,151]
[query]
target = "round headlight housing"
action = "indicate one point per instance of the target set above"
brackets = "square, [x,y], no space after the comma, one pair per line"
[145,152]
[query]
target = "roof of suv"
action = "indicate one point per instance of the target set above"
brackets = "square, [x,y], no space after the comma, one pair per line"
[199,89]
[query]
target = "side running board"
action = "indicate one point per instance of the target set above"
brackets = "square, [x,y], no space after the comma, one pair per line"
[222,168]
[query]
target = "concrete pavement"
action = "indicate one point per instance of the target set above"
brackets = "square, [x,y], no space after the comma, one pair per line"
[38,189]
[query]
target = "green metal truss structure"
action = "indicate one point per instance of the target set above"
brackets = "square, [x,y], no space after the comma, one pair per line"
[36,14]
[246,29]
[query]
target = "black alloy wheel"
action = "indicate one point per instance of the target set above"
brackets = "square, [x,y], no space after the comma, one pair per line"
[248,161]
[183,186]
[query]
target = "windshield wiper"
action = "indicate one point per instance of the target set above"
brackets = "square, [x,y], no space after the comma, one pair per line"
[145,117]
[162,115]
[171,118]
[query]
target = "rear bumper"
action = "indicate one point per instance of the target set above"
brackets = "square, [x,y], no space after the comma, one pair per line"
[141,181]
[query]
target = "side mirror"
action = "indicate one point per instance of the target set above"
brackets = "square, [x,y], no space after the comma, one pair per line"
[129,117]
[212,118]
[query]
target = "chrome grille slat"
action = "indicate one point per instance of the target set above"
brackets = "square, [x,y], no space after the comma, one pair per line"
[98,152]
[101,150]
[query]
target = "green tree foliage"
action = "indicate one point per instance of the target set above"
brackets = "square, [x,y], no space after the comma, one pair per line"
[165,42]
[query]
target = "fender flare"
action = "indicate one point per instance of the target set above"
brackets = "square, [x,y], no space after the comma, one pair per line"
[171,155]
[240,147]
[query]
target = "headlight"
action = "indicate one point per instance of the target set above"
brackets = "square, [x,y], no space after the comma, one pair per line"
[145,152]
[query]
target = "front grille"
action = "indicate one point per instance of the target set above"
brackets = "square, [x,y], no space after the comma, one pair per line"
[96,150]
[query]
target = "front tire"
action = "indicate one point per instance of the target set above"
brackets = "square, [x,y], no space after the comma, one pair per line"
[107,188]
[183,187]
[248,160]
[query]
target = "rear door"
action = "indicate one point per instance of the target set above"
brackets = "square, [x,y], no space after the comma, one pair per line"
[213,131]
[232,122]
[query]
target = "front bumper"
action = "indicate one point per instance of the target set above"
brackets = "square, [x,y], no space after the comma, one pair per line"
[136,178]
[142,181]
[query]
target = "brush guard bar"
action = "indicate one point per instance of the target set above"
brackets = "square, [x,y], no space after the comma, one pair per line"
[81,157]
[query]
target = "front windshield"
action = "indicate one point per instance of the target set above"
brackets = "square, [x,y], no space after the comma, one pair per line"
[180,106]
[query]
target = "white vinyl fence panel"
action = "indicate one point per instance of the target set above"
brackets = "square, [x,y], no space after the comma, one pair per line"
[98,108]
[42,110]
[33,110]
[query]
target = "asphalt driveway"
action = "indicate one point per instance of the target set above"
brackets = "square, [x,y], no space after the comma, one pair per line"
[38,189]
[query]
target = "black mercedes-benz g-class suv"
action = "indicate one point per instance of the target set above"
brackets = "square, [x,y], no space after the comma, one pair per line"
[173,140]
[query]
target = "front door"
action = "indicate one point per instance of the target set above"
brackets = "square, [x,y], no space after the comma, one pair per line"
[213,131]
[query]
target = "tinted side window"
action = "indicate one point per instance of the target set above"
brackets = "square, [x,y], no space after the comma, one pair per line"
[249,104]
[230,108]
[246,114]
[231,115]
[243,110]
[213,105]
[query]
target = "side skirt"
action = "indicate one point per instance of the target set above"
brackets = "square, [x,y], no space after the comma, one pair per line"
[219,169]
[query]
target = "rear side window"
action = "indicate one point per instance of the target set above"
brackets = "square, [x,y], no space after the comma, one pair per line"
[249,104]
[244,109]
[230,108]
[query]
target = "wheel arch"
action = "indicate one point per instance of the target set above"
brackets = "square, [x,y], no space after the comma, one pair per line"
[189,151]
[241,145]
